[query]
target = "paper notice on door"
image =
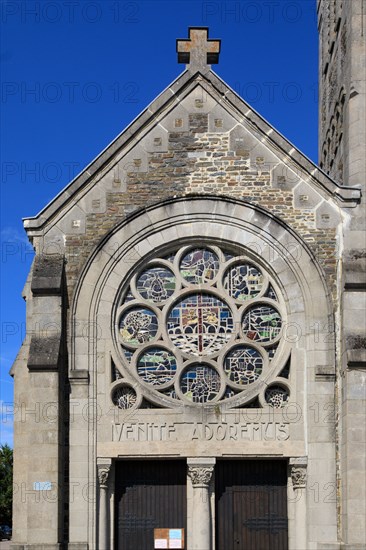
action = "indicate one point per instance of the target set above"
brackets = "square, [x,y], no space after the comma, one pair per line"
[175,543]
[175,533]
[160,543]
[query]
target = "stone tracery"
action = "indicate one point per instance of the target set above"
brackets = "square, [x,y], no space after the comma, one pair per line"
[201,324]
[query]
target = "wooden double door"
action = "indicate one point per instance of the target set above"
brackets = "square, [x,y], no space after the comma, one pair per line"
[251,505]
[250,510]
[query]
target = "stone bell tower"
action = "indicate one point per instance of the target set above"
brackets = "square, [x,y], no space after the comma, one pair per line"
[342,154]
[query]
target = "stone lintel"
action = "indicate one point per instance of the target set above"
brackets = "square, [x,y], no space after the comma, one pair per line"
[356,358]
[80,376]
[44,353]
[47,275]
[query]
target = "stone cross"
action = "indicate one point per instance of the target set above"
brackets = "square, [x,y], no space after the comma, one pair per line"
[198,52]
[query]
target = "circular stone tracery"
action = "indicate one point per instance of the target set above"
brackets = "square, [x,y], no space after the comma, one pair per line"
[156,284]
[200,324]
[138,325]
[157,366]
[243,365]
[243,281]
[199,266]
[200,383]
[212,321]
[124,397]
[262,323]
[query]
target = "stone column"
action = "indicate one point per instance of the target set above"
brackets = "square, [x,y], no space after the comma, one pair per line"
[104,528]
[200,471]
[298,471]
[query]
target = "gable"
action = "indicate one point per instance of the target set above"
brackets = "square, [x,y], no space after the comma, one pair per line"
[196,138]
[199,105]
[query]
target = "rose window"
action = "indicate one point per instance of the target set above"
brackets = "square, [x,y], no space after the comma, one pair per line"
[200,325]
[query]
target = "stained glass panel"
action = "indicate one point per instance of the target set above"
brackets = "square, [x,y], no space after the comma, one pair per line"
[285,372]
[276,396]
[243,365]
[272,351]
[270,293]
[138,325]
[128,296]
[200,324]
[157,366]
[170,392]
[200,383]
[262,323]
[243,281]
[228,256]
[199,266]
[229,392]
[156,284]
[116,375]
[127,353]
[124,397]
[170,257]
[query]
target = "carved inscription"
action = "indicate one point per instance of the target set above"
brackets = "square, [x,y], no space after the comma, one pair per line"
[198,431]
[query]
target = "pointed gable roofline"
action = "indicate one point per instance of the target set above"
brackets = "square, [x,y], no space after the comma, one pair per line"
[345,196]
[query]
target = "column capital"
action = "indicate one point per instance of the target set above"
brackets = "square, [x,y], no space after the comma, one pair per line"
[298,470]
[103,474]
[200,475]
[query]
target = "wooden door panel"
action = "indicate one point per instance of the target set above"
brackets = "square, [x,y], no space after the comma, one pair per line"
[149,494]
[251,505]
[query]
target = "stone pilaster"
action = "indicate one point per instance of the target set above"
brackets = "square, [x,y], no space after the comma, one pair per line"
[103,468]
[298,475]
[200,472]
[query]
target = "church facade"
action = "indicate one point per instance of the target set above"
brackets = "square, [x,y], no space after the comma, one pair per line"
[194,357]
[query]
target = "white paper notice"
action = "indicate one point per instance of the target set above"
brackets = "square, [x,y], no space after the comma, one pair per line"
[175,543]
[161,543]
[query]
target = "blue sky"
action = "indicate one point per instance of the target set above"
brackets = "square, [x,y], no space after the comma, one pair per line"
[75,74]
